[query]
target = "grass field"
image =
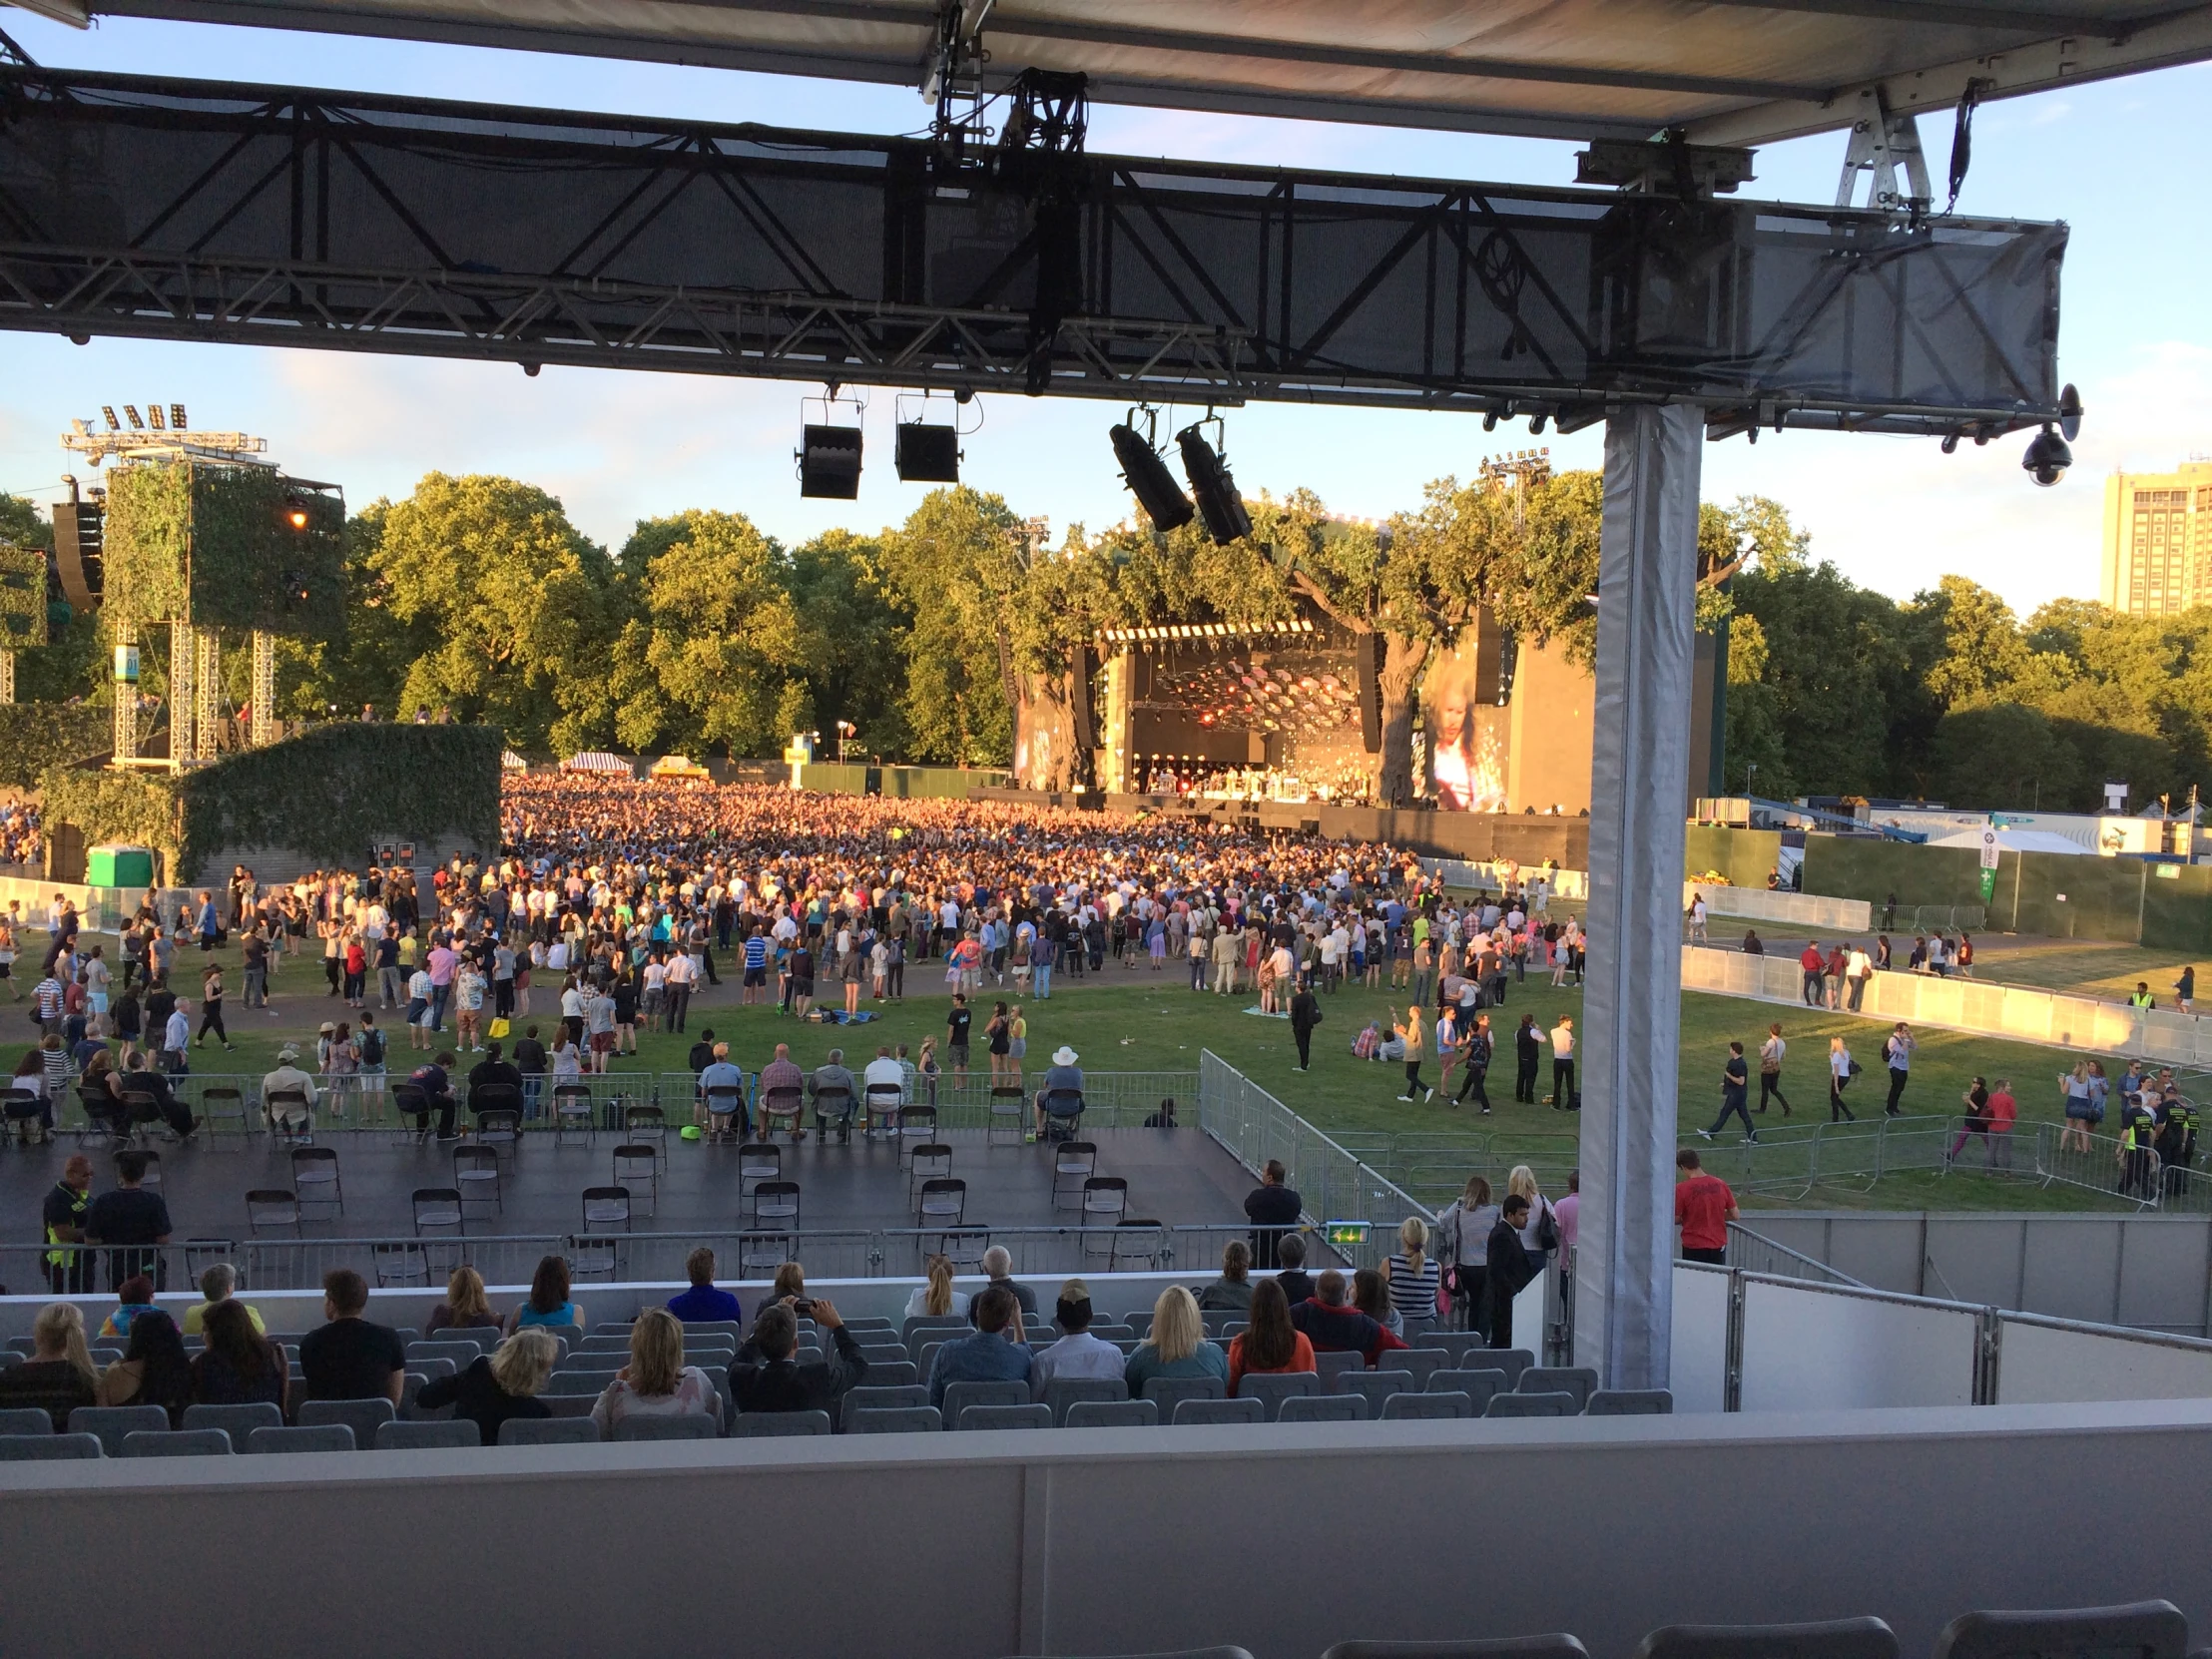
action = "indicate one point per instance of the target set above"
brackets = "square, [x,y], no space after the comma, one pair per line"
[1138,1020]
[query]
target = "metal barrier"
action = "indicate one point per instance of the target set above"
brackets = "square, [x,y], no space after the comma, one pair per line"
[2140,1177]
[1810,911]
[1347,1197]
[1756,1252]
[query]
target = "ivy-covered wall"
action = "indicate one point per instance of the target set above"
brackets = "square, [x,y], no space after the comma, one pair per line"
[330,794]
[36,735]
[213,544]
[22,596]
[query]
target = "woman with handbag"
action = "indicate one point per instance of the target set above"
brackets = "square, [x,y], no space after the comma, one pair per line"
[1463,1245]
[1541,1232]
[1771,1055]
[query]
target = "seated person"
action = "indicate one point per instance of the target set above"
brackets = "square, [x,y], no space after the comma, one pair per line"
[154,1370]
[497,1387]
[883,1072]
[58,1376]
[1063,1077]
[771,1382]
[1334,1326]
[135,1296]
[998,1268]
[1274,1344]
[435,1080]
[934,1298]
[288,1075]
[781,1077]
[216,1283]
[141,1078]
[992,1354]
[1297,1285]
[656,1383]
[348,1358]
[1078,1352]
[704,1303]
[719,1073]
[549,1304]
[239,1366]
[827,1080]
[1177,1346]
[494,1071]
[465,1307]
[1232,1292]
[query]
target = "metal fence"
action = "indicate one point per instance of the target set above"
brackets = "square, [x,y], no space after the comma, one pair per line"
[1756,1252]
[1805,910]
[1352,1202]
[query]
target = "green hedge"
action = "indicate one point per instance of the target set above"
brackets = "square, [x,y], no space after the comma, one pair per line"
[23,619]
[36,735]
[209,543]
[330,795]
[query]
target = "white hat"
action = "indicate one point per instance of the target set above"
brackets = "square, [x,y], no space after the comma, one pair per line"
[1063,1055]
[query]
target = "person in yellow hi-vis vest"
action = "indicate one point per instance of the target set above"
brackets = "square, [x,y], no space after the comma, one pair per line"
[68,1271]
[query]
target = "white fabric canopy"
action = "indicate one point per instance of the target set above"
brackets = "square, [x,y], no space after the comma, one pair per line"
[2015,840]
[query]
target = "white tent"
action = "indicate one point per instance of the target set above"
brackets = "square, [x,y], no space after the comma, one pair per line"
[2011,839]
[509,761]
[598,760]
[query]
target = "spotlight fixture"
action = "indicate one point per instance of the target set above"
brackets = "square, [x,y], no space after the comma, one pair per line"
[154,416]
[2046,457]
[295,511]
[175,417]
[1148,477]
[925,453]
[1219,504]
[130,413]
[830,456]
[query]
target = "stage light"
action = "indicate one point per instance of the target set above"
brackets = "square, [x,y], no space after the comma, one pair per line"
[154,415]
[108,409]
[175,417]
[130,413]
[1535,425]
[830,462]
[1219,504]
[1150,480]
[927,455]
[295,511]
[2047,457]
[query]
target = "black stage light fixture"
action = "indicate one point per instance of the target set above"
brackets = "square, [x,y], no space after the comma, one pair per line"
[830,462]
[1150,480]
[927,455]
[1219,504]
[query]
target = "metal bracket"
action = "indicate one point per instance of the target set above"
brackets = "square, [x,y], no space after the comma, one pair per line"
[1881,143]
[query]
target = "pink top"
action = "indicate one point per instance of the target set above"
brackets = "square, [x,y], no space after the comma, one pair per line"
[442,966]
[1568,1211]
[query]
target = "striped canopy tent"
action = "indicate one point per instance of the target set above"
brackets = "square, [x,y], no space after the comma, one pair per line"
[509,761]
[598,760]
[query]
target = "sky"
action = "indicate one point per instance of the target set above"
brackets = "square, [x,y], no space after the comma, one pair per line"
[2109,159]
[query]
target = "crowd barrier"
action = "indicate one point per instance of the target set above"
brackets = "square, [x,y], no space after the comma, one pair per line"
[1490,875]
[1802,910]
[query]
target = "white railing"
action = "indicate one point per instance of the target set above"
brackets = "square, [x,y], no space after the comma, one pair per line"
[1806,909]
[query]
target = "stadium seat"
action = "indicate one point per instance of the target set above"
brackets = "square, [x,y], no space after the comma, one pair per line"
[549,1431]
[25,1420]
[458,1355]
[1422,1361]
[1508,1647]
[1271,1388]
[1477,1386]
[1630,1402]
[759,1161]
[1063,1391]
[326,1436]
[974,1417]
[1442,1402]
[1334,1367]
[452,1434]
[314,1177]
[691,1426]
[895,1419]
[1578,1381]
[573,1113]
[1831,1639]
[637,1169]
[1209,1413]
[606,1209]
[1457,1344]
[48,1447]
[182,1443]
[111,1423]
[1532,1406]
[476,1175]
[1167,1392]
[1377,1385]
[438,1212]
[893,1374]
[1113,1413]
[871,1398]
[2136,1631]
[960,1395]
[236,1421]
[362,1416]
[1511,1361]
[1323,1409]
[767,1426]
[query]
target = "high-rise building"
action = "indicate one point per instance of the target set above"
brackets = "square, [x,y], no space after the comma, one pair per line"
[2158,539]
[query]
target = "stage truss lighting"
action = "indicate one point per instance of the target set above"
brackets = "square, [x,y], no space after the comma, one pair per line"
[1219,504]
[829,456]
[1147,475]
[924,452]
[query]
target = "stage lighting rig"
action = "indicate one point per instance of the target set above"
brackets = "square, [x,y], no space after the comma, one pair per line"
[1219,504]
[829,456]
[924,452]
[1147,475]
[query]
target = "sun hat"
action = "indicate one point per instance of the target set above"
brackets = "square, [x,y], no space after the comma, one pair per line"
[1063,1055]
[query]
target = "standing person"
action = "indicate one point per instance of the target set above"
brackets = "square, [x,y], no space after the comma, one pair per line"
[2004,1112]
[2080,1108]
[998,1041]
[1975,1099]
[1509,1268]
[1463,1243]
[1305,1015]
[68,1271]
[1562,1065]
[1898,1051]
[1811,963]
[1273,1209]
[1414,1279]
[1475,1051]
[683,974]
[1857,970]
[1735,1092]
[2185,990]
[134,1218]
[956,1026]
[1772,1053]
[1842,1068]
[1409,1035]
[1703,1208]
[1527,1040]
[210,1009]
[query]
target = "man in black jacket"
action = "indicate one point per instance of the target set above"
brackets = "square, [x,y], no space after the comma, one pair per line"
[1511,1268]
[1305,1015]
[775,1383]
[1271,1207]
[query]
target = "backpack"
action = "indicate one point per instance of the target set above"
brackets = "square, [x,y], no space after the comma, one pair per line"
[373,1047]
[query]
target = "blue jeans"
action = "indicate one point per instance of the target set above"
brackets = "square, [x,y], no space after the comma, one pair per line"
[440,995]
[1041,972]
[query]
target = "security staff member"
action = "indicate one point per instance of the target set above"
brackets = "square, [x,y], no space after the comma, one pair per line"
[68,1271]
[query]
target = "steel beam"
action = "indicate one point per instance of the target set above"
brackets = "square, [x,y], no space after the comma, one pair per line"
[195,211]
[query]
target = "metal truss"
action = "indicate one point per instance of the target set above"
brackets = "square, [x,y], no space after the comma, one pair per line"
[191,210]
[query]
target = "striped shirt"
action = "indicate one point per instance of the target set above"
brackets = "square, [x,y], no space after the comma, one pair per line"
[756,952]
[1413,1295]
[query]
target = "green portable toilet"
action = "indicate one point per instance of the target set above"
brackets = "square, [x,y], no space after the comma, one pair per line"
[119,866]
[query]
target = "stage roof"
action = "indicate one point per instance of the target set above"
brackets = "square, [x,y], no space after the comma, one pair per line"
[1730,71]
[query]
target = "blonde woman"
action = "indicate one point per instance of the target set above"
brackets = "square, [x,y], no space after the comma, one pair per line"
[1539,1233]
[499,1387]
[58,1376]
[1842,1068]
[656,1383]
[1409,1035]
[1414,1278]
[936,1297]
[1771,1052]
[465,1307]
[790,1282]
[2080,1099]
[1177,1346]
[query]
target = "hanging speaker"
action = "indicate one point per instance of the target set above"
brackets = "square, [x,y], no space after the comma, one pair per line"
[928,454]
[77,560]
[1080,664]
[830,462]
[1368,661]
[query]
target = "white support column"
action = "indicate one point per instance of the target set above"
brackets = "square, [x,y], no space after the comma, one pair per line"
[1646,623]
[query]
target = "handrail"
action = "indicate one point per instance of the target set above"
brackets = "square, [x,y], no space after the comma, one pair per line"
[1819,1271]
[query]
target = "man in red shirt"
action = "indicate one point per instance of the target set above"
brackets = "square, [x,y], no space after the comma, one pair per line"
[1812,963]
[1703,1208]
[2003,1111]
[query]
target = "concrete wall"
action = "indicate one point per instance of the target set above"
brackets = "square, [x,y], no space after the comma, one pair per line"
[1284,1539]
